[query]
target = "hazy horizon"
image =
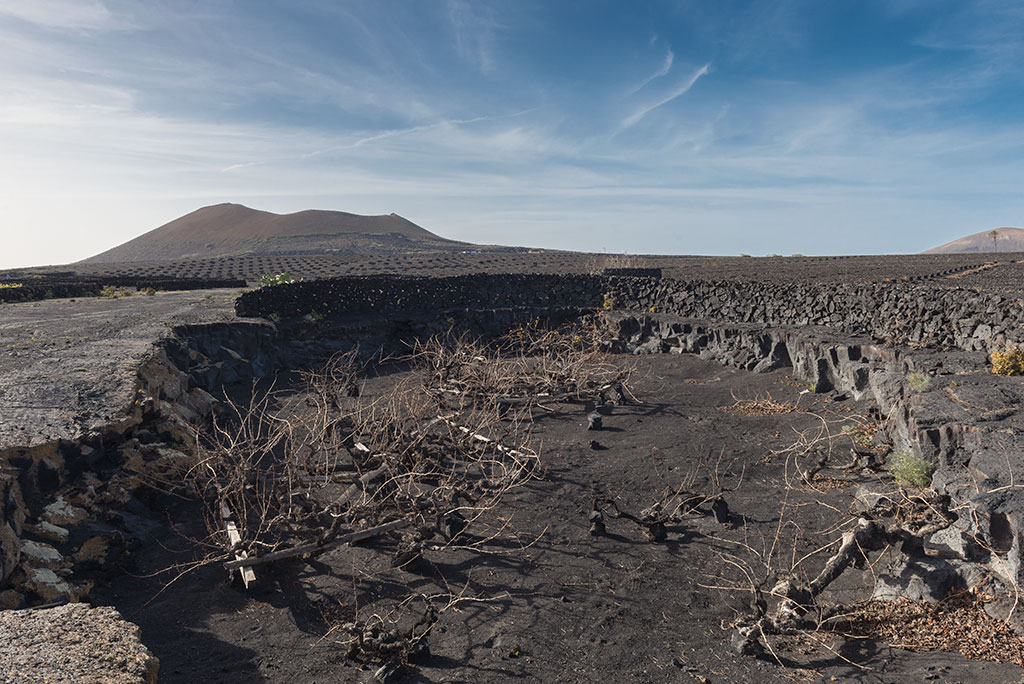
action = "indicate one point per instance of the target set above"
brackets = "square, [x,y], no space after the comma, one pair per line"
[665,127]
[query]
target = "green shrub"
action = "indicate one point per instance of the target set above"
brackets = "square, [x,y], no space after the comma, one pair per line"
[111,292]
[919,382]
[1009,362]
[279,279]
[862,434]
[910,469]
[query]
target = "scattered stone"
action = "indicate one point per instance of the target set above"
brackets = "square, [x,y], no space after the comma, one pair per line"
[40,555]
[594,421]
[721,510]
[656,532]
[73,643]
[920,579]
[60,512]
[47,585]
[951,542]
[865,499]
[94,550]
[388,673]
[596,446]
[745,643]
[597,528]
[452,525]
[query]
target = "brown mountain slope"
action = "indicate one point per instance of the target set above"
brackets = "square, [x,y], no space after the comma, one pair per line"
[233,229]
[1007,240]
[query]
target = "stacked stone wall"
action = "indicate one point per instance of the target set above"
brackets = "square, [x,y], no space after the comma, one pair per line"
[918,316]
[913,315]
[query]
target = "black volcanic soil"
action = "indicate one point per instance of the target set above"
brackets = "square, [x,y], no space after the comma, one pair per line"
[570,607]
[998,272]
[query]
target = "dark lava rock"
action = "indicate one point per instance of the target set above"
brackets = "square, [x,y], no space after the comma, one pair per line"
[721,510]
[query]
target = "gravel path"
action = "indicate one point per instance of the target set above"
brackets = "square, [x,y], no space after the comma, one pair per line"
[68,366]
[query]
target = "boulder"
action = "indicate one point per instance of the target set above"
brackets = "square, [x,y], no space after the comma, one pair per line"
[919,579]
[39,555]
[47,585]
[49,532]
[60,512]
[73,643]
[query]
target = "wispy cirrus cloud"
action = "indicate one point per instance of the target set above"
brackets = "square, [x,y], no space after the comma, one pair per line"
[530,122]
[681,89]
[666,66]
[474,27]
[60,14]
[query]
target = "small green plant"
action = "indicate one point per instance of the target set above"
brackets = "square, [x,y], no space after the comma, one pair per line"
[1009,362]
[910,469]
[149,292]
[9,285]
[919,382]
[609,302]
[861,434]
[112,292]
[279,279]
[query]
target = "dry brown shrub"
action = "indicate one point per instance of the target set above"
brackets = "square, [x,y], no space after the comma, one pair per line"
[760,407]
[958,624]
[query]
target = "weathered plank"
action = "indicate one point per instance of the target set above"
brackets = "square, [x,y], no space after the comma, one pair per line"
[315,547]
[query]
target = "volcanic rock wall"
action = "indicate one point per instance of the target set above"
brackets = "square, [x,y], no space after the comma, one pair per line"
[895,313]
[918,316]
[176,385]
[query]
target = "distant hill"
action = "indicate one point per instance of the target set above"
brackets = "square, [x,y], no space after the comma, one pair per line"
[1007,240]
[234,230]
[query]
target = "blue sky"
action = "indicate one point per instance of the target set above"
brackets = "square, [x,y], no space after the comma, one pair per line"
[818,127]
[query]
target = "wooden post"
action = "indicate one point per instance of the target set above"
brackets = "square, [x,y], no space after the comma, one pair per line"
[234,539]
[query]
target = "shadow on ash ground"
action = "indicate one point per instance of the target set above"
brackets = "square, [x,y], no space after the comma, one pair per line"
[578,608]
